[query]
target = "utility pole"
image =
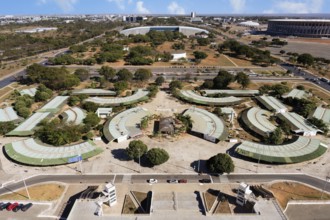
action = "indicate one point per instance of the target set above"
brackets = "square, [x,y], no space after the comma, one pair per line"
[327,179]
[199,161]
[27,191]
[139,161]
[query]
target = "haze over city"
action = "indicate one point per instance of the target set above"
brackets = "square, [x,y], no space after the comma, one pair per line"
[178,7]
[161,110]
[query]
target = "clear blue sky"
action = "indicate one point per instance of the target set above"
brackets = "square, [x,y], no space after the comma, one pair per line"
[23,7]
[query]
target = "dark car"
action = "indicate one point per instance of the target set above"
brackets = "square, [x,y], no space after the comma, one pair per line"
[205,181]
[12,206]
[26,207]
[183,181]
[17,208]
[4,206]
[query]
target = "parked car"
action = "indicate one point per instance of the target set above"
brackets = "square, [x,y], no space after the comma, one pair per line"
[172,181]
[183,181]
[205,181]
[12,206]
[4,206]
[17,208]
[152,181]
[26,207]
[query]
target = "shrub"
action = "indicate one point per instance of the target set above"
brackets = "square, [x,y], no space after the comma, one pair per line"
[157,156]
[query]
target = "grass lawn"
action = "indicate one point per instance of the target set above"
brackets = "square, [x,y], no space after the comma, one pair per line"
[209,200]
[129,207]
[223,208]
[46,192]
[286,191]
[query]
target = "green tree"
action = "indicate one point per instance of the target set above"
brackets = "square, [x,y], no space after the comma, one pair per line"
[124,75]
[200,55]
[208,84]
[157,156]
[120,86]
[243,79]
[305,59]
[82,74]
[92,119]
[178,46]
[220,163]
[90,106]
[23,112]
[276,137]
[109,73]
[142,74]
[203,41]
[223,79]
[160,80]
[73,100]
[6,127]
[319,124]
[175,85]
[136,149]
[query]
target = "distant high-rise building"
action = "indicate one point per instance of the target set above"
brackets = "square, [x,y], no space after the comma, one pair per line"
[193,14]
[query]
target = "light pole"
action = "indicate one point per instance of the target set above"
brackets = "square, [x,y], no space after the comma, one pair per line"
[139,160]
[199,162]
[27,191]
[327,179]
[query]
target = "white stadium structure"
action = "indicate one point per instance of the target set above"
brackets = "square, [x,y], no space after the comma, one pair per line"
[300,27]
[188,31]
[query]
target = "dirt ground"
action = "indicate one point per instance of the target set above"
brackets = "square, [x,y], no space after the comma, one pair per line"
[286,191]
[46,192]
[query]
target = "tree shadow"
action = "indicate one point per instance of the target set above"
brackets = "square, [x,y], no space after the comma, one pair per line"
[144,162]
[200,203]
[199,166]
[120,154]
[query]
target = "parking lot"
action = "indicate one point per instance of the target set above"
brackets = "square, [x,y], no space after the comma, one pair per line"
[34,212]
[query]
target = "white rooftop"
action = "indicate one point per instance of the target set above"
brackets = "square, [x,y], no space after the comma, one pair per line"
[322,114]
[8,114]
[31,92]
[296,93]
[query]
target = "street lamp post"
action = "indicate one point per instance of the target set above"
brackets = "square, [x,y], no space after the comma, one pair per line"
[139,160]
[27,191]
[327,179]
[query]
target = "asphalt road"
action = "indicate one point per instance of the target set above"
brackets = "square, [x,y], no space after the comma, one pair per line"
[162,178]
[306,75]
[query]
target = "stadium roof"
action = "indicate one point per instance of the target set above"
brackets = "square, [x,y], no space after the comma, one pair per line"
[298,123]
[124,124]
[272,103]
[232,92]
[207,123]
[94,92]
[27,127]
[32,152]
[257,120]
[301,20]
[74,115]
[249,23]
[191,96]
[54,105]
[8,114]
[139,95]
[296,93]
[31,92]
[302,149]
[322,114]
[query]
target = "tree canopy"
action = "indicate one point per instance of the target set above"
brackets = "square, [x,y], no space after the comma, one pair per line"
[305,59]
[242,79]
[124,75]
[53,78]
[220,163]
[276,137]
[142,74]
[157,156]
[109,73]
[136,149]
[223,79]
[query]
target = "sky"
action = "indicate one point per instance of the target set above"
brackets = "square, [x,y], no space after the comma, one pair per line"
[31,7]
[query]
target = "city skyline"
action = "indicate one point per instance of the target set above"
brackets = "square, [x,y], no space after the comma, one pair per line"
[178,7]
